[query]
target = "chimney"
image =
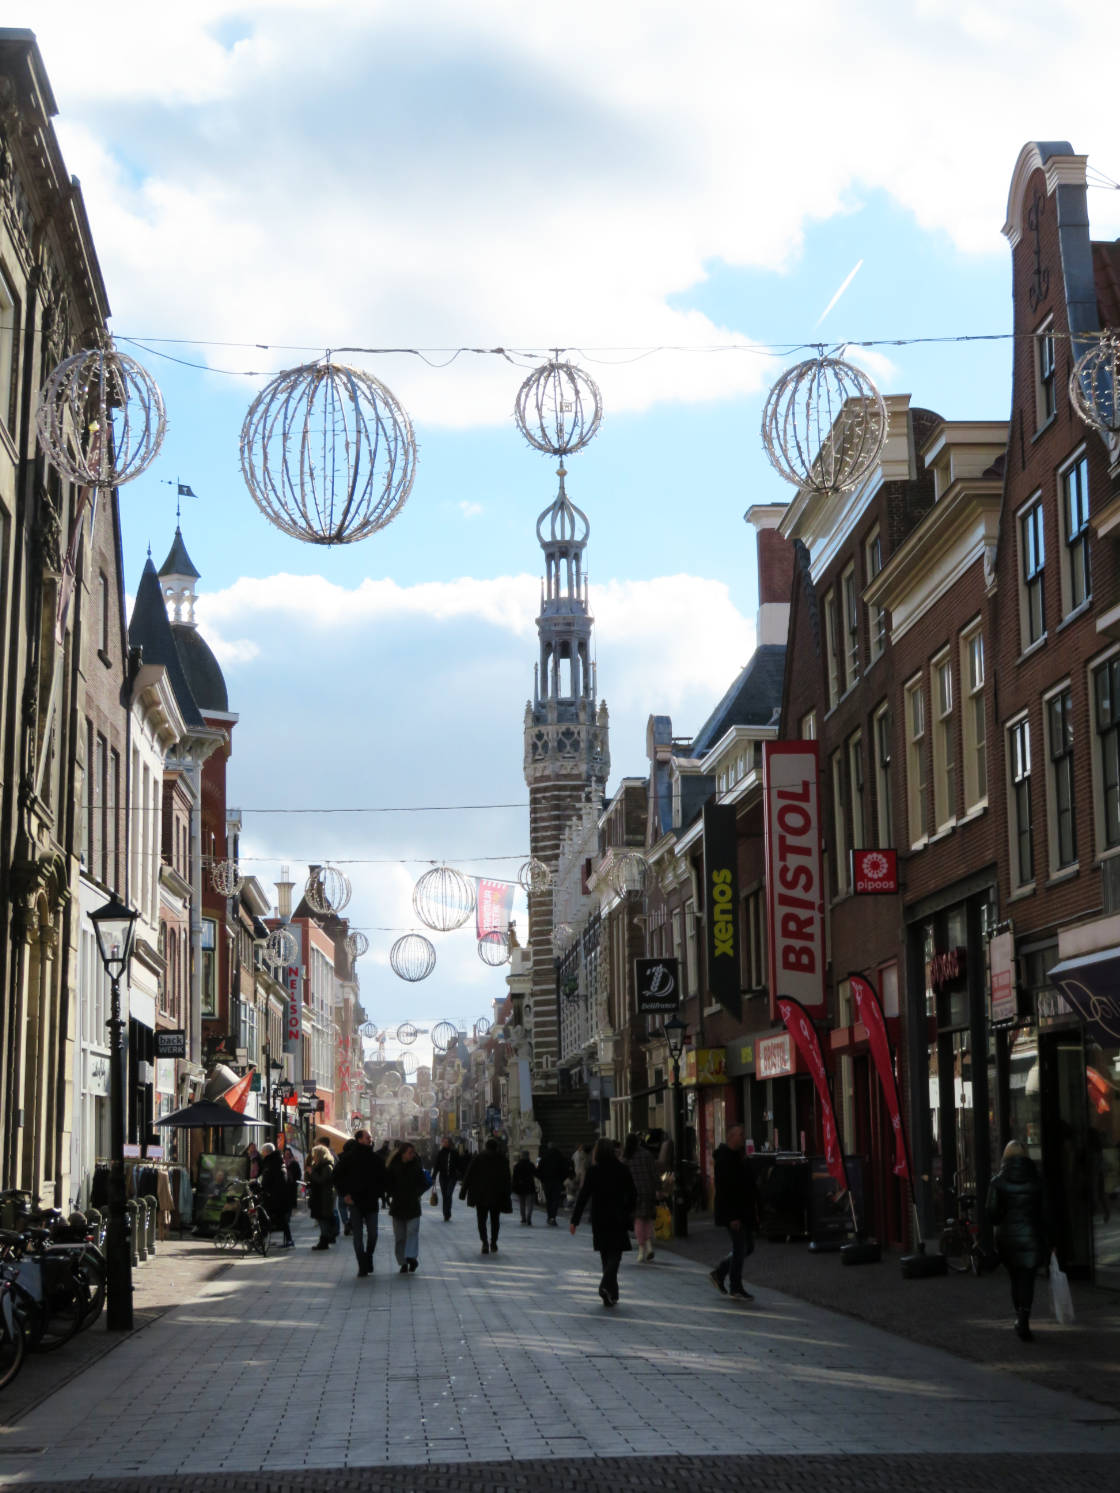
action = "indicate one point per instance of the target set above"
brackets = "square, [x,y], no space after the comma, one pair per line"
[284,895]
[775,572]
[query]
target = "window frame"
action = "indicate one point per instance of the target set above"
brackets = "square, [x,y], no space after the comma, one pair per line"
[832,646]
[943,740]
[1106,753]
[876,615]
[1021,864]
[917,826]
[1060,783]
[849,620]
[974,721]
[1030,528]
[1045,374]
[1077,578]
[884,807]
[841,836]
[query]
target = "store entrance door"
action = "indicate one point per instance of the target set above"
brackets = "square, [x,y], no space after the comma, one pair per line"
[1065,1148]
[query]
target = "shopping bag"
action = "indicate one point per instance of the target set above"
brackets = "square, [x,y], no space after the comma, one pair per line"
[1061,1299]
[663,1222]
[433,1198]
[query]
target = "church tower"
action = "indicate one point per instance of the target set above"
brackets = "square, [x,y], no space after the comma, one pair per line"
[567,756]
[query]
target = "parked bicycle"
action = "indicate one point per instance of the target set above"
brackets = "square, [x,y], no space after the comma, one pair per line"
[960,1238]
[12,1339]
[244,1223]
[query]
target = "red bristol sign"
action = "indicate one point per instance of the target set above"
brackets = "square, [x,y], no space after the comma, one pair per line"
[794,873]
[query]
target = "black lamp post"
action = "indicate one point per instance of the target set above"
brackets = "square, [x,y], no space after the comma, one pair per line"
[114,925]
[676,1035]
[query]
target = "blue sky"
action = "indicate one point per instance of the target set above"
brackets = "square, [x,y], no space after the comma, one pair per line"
[611,179]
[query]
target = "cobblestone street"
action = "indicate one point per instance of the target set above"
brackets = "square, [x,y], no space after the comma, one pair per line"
[293,1367]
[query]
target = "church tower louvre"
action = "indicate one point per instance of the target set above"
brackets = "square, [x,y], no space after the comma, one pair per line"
[567,756]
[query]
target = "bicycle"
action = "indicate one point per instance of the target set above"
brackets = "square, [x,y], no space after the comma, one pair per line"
[79,1239]
[12,1340]
[243,1221]
[960,1238]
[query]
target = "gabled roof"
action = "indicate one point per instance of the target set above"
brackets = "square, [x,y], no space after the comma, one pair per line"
[752,700]
[150,629]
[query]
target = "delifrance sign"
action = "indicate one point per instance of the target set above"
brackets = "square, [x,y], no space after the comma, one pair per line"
[293,1025]
[794,873]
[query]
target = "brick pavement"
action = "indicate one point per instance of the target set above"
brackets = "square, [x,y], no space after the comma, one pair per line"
[293,1367]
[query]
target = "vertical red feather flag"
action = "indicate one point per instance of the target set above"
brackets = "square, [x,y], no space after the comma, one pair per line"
[801,1029]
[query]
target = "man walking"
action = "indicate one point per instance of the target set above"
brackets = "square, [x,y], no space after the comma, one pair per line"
[360,1181]
[736,1210]
[446,1172]
[554,1169]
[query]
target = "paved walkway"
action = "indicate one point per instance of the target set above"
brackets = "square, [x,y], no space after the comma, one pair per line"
[293,1363]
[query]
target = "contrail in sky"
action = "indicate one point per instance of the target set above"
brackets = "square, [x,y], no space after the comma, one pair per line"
[838,294]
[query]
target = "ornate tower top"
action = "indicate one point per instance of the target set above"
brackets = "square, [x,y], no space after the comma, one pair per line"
[177,577]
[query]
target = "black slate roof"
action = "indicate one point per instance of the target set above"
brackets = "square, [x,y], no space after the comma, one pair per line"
[751,701]
[178,562]
[201,668]
[150,630]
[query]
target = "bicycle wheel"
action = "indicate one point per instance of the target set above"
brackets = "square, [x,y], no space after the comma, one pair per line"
[65,1307]
[260,1239]
[92,1273]
[12,1344]
[956,1246]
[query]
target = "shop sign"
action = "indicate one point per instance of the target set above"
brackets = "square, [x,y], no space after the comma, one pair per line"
[1001,968]
[704,1065]
[97,1073]
[171,1044]
[657,985]
[794,871]
[293,1027]
[721,883]
[775,1056]
[875,871]
[946,969]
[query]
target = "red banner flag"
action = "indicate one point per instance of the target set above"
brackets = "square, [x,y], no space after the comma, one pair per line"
[493,905]
[869,1013]
[801,1029]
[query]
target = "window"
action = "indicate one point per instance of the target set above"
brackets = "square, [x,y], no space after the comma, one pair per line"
[809,726]
[1076,584]
[1106,704]
[850,597]
[103,614]
[884,815]
[1033,550]
[209,989]
[877,617]
[832,644]
[1046,376]
[855,790]
[840,826]
[944,756]
[1059,729]
[754,939]
[112,819]
[915,761]
[100,795]
[973,720]
[9,344]
[1019,766]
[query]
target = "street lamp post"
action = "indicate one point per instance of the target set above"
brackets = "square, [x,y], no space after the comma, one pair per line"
[114,925]
[676,1034]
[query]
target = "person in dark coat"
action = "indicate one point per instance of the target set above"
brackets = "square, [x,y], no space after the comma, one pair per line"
[320,1194]
[554,1168]
[360,1180]
[292,1172]
[1017,1208]
[736,1210]
[525,1185]
[609,1188]
[643,1169]
[274,1190]
[445,1172]
[406,1182]
[487,1189]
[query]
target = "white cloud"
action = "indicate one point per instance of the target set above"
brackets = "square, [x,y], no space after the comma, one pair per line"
[470,510]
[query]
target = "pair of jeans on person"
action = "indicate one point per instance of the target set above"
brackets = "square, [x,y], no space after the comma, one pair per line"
[363,1231]
[494,1215]
[447,1191]
[732,1264]
[527,1200]
[609,1284]
[406,1239]
[552,1196]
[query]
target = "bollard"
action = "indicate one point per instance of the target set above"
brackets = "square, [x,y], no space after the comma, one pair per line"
[153,1214]
[130,1212]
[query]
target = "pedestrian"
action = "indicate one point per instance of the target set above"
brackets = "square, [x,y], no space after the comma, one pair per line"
[609,1188]
[643,1170]
[1017,1208]
[320,1194]
[406,1182]
[292,1173]
[554,1169]
[736,1210]
[445,1171]
[360,1180]
[253,1157]
[487,1189]
[274,1190]
[525,1185]
[581,1160]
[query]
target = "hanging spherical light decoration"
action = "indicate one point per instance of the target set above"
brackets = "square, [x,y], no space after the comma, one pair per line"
[558,408]
[224,878]
[425,1097]
[412,957]
[327,453]
[563,937]
[1094,385]
[281,947]
[369,1031]
[327,890]
[443,898]
[824,425]
[629,873]
[481,1026]
[406,1034]
[394,1080]
[444,1036]
[493,948]
[383,1091]
[100,418]
[534,876]
[357,944]
[408,1063]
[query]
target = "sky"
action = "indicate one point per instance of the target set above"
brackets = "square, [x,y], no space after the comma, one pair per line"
[685,201]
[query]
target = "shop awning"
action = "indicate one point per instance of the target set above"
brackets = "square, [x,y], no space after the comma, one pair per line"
[330,1136]
[1091,985]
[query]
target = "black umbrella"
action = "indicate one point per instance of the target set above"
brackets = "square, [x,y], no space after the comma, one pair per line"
[208,1112]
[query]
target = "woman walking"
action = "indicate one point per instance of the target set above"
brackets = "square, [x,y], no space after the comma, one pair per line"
[487,1189]
[274,1190]
[525,1185]
[1017,1208]
[609,1188]
[406,1182]
[643,1171]
[320,1194]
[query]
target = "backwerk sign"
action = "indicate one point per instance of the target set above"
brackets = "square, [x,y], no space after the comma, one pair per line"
[794,873]
[721,891]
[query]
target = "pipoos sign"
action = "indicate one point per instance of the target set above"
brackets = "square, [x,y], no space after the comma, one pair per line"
[794,874]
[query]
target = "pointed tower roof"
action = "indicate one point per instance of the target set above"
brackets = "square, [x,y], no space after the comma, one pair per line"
[178,562]
[150,629]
